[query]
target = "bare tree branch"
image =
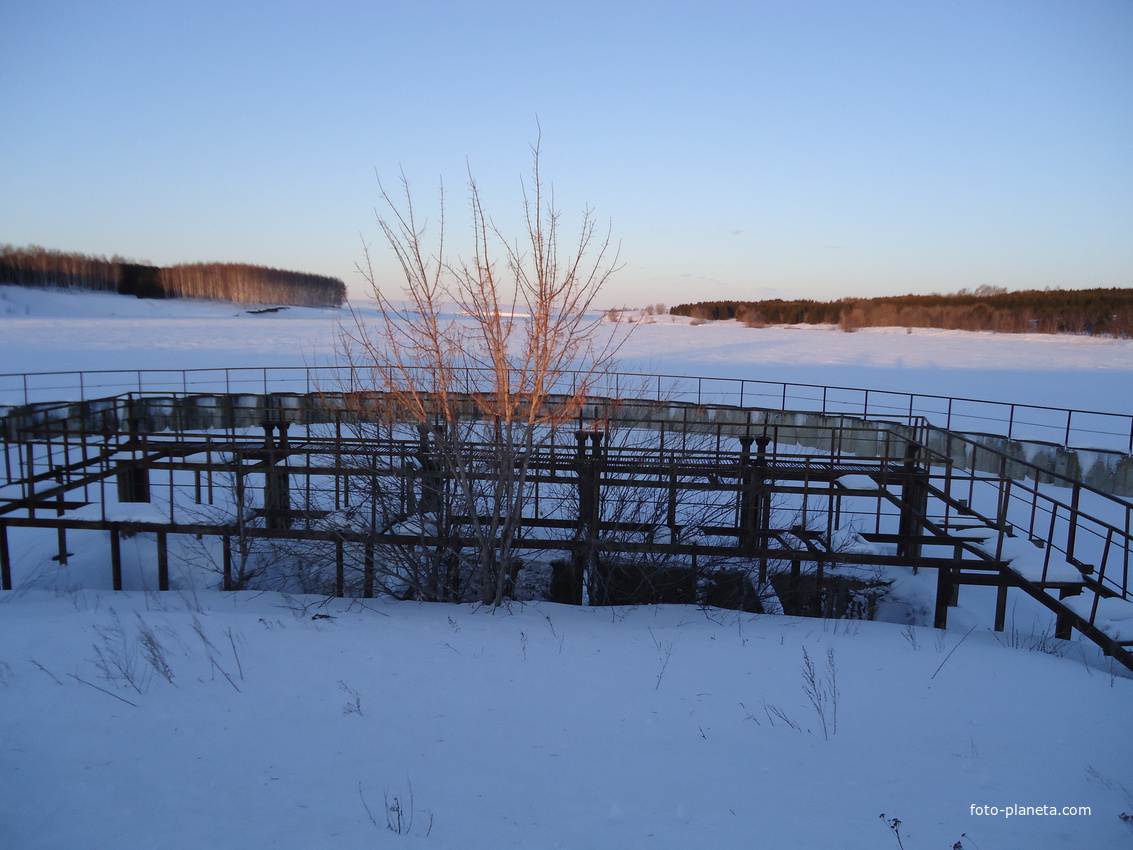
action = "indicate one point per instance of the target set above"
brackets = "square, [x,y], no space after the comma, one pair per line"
[486,388]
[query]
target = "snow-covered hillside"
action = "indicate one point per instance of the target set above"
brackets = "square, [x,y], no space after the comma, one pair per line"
[196,718]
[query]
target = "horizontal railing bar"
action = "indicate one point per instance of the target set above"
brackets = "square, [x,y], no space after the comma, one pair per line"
[903,405]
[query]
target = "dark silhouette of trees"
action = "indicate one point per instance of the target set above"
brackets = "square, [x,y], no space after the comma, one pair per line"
[238,282]
[36,266]
[1102,312]
[251,285]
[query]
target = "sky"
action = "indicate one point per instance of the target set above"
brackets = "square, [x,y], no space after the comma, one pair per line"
[745,150]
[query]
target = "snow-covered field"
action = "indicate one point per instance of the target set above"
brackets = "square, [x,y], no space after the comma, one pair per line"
[59,331]
[204,719]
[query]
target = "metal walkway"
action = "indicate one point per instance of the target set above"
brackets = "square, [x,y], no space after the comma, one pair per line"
[656,480]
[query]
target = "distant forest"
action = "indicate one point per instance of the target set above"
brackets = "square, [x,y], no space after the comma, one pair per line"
[237,282]
[1102,312]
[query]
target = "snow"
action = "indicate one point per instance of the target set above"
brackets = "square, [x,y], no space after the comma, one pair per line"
[1033,563]
[542,726]
[53,331]
[114,511]
[49,330]
[295,722]
[1113,616]
[857,482]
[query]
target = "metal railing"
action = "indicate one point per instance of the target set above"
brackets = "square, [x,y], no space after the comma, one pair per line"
[1075,428]
[1072,524]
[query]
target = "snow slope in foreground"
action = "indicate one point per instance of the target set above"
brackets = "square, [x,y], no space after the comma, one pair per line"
[293,722]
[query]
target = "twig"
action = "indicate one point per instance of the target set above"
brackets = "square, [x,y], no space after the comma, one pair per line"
[895,825]
[365,806]
[45,670]
[354,705]
[97,688]
[949,655]
[774,711]
[153,651]
[235,654]
[666,650]
[832,671]
[224,673]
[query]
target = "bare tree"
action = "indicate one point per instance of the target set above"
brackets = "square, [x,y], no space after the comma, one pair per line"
[486,357]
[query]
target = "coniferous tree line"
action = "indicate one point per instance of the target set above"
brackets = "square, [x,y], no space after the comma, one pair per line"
[1103,312]
[237,282]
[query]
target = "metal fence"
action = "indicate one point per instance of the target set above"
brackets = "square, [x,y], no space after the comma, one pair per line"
[1081,429]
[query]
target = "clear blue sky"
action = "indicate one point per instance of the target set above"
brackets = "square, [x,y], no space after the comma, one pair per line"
[739,150]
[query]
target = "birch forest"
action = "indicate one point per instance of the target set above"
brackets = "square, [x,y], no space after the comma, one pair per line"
[237,282]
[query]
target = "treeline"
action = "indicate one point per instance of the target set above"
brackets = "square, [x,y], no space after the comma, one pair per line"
[237,282]
[252,284]
[1107,312]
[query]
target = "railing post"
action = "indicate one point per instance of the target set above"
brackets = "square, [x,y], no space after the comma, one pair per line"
[227,563]
[913,506]
[115,558]
[5,559]
[944,590]
[1064,625]
[1000,622]
[747,506]
[339,569]
[1069,416]
[571,584]
[162,562]
[1125,559]
[1072,533]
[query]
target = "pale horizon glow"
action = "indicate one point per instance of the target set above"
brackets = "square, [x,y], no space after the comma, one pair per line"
[737,150]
